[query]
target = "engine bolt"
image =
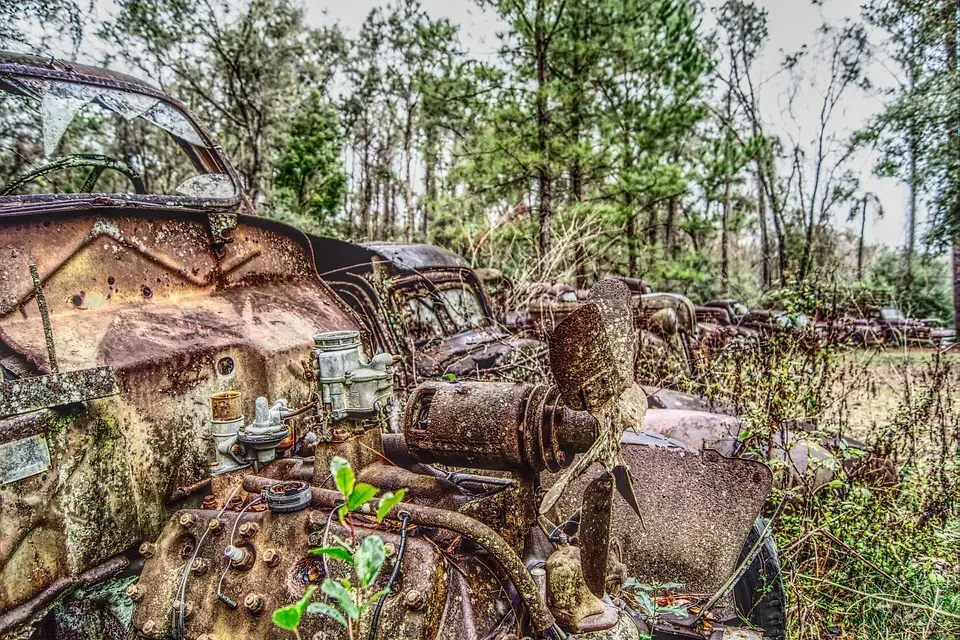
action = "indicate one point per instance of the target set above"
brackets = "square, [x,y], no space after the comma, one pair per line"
[148,627]
[187,520]
[388,549]
[414,599]
[148,550]
[135,592]
[272,557]
[216,525]
[199,566]
[315,539]
[253,602]
[340,434]
[205,636]
[209,503]
[187,608]
[249,529]
[316,520]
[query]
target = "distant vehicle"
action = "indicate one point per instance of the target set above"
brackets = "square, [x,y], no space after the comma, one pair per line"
[427,304]
[898,329]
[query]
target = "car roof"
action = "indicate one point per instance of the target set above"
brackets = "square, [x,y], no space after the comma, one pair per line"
[50,63]
[332,255]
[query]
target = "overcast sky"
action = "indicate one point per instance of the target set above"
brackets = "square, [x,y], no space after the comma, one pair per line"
[792,23]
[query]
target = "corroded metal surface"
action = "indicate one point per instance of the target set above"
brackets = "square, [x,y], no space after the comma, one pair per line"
[698,509]
[55,390]
[145,294]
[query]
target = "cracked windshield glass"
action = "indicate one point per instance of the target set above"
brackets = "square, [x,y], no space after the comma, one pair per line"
[62,137]
[444,312]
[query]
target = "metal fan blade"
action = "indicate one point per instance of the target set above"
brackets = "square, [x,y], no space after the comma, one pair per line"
[624,482]
[592,351]
[582,464]
[596,513]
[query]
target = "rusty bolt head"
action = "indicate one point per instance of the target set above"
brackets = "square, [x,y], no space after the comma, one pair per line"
[187,520]
[215,525]
[414,599]
[199,566]
[148,550]
[253,602]
[205,636]
[340,435]
[209,502]
[187,608]
[249,529]
[315,539]
[272,557]
[135,592]
[316,520]
[389,549]
[149,627]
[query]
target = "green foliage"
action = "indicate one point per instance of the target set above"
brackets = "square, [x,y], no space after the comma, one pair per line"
[348,599]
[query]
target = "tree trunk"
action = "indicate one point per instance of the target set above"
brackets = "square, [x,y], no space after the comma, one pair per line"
[543,140]
[912,152]
[727,204]
[367,177]
[863,232]
[408,159]
[670,228]
[950,9]
[764,234]
[430,158]
[632,266]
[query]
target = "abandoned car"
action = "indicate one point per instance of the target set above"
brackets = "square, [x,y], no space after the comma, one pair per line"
[425,303]
[177,378]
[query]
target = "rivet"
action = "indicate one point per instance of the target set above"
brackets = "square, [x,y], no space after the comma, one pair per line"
[148,550]
[253,602]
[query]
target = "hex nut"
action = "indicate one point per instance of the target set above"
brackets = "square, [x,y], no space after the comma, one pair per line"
[249,529]
[316,520]
[148,627]
[272,557]
[414,599]
[187,608]
[253,602]
[215,525]
[135,592]
[187,520]
[148,550]
[199,566]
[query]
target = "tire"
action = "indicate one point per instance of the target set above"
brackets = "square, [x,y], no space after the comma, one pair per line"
[759,596]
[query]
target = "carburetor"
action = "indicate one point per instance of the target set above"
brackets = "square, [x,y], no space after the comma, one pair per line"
[351,386]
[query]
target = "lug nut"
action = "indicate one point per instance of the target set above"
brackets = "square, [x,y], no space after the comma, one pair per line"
[271,557]
[215,525]
[199,566]
[148,550]
[187,520]
[249,529]
[414,599]
[135,592]
[148,627]
[253,602]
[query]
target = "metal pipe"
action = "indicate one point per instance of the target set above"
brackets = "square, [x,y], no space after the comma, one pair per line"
[485,537]
[30,609]
[45,319]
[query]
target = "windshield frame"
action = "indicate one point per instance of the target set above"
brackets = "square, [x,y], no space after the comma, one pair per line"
[218,163]
[435,279]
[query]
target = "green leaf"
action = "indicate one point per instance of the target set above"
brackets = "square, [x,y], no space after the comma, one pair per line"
[342,514]
[287,617]
[342,474]
[361,493]
[339,593]
[372,599]
[387,502]
[369,558]
[450,377]
[647,605]
[337,553]
[328,610]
